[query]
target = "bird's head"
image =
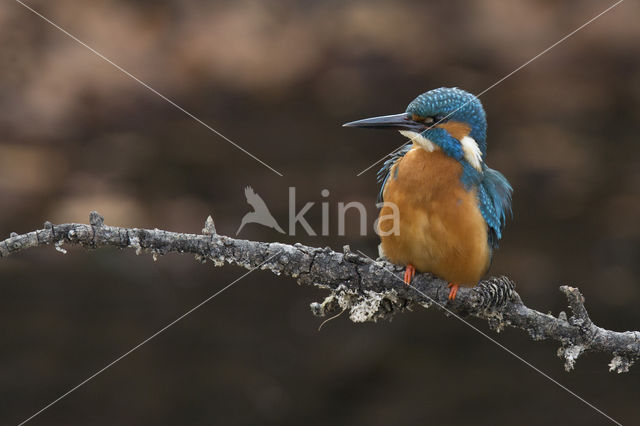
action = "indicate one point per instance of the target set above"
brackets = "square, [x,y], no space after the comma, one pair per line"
[446,118]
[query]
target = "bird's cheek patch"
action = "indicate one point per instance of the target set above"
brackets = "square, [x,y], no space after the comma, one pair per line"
[456,129]
[472,152]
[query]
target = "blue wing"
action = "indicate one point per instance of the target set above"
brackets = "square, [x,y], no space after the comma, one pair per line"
[494,194]
[385,171]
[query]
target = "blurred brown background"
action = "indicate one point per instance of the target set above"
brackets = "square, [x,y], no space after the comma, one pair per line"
[279,78]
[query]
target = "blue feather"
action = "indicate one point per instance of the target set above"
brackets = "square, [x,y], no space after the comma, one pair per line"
[385,171]
[455,105]
[494,196]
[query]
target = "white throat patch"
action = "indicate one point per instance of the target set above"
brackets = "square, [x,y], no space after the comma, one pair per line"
[472,152]
[420,140]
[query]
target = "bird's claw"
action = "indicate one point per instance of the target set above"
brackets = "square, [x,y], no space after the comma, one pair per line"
[453,291]
[409,273]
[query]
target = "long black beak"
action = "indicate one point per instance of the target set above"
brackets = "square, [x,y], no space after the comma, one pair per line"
[396,122]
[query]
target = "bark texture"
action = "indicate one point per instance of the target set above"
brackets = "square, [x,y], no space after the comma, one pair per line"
[369,289]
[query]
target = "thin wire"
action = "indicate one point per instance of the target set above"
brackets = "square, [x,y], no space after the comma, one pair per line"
[499,81]
[127,73]
[500,345]
[142,343]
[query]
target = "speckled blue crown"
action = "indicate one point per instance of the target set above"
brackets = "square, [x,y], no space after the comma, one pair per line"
[456,105]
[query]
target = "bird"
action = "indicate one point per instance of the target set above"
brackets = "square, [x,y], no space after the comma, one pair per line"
[260,213]
[451,207]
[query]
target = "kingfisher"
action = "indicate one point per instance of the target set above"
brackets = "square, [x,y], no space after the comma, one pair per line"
[450,207]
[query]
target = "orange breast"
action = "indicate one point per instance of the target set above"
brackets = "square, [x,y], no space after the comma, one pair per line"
[441,229]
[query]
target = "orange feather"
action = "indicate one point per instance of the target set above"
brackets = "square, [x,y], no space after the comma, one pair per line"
[456,129]
[441,229]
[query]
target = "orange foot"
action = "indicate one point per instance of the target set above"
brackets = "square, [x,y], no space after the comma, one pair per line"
[409,273]
[453,291]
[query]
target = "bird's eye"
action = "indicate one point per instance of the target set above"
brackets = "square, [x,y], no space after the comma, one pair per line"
[420,119]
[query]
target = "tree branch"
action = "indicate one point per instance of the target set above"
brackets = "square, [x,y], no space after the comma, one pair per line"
[369,289]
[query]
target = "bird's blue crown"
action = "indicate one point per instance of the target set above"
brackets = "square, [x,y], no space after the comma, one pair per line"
[453,104]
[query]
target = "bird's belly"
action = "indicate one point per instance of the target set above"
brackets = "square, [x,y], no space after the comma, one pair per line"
[441,229]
